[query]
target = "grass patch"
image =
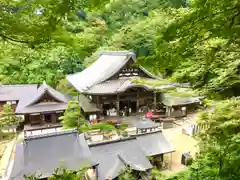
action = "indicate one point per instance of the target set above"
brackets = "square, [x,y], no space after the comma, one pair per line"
[153,83]
[7,136]
[180,92]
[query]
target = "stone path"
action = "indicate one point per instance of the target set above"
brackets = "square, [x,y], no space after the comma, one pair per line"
[8,156]
[182,143]
[5,158]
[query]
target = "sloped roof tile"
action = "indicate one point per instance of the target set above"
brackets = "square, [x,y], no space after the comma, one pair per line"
[15,92]
[44,154]
[154,143]
[26,103]
[107,65]
[113,157]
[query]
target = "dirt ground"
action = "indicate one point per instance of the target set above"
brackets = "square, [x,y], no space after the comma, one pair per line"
[182,143]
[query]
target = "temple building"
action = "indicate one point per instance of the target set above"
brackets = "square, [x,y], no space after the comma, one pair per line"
[11,94]
[106,160]
[42,154]
[111,83]
[43,107]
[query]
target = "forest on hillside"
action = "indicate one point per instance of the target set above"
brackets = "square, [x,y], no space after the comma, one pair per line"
[196,41]
[187,41]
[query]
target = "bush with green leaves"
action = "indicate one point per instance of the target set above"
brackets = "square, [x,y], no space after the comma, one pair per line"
[8,117]
[72,117]
[62,173]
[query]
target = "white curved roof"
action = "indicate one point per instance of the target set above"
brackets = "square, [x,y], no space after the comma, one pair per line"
[107,65]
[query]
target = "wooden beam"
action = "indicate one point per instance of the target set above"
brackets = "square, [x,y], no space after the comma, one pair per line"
[98,102]
[154,100]
[118,105]
[137,102]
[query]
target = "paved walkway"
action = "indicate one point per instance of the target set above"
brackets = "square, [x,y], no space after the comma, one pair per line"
[6,162]
[182,143]
[6,157]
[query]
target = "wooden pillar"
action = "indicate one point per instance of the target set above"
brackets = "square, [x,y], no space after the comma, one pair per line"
[27,119]
[42,119]
[169,111]
[98,102]
[53,118]
[137,102]
[118,105]
[30,119]
[154,100]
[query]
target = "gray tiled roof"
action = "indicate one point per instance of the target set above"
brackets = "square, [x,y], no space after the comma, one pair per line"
[180,101]
[115,86]
[15,92]
[121,85]
[43,107]
[154,143]
[107,65]
[113,157]
[44,154]
[17,172]
[145,123]
[107,87]
[44,88]
[87,105]
[26,103]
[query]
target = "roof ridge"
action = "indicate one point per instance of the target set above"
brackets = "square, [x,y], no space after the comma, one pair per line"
[52,134]
[111,141]
[123,53]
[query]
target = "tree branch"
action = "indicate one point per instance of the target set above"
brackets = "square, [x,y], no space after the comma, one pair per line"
[14,40]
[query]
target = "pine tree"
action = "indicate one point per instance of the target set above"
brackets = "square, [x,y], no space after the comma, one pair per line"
[72,117]
[8,117]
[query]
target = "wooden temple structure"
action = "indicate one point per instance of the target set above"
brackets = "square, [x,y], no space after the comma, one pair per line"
[110,83]
[43,107]
[11,94]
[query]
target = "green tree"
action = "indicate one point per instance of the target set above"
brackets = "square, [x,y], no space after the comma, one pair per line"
[72,117]
[8,117]
[219,143]
[157,174]
[32,177]
[62,173]
[65,174]
[117,14]
[44,22]
[127,174]
[201,46]
[98,126]
[65,87]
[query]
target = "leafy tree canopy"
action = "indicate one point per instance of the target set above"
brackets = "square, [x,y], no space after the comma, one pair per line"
[201,46]
[8,117]
[62,173]
[219,142]
[37,22]
[72,117]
